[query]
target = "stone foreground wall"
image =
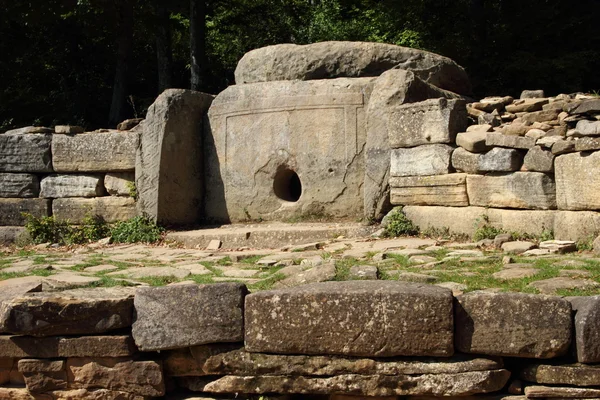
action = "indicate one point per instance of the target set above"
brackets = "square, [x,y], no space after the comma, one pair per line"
[67,173]
[535,153]
[361,338]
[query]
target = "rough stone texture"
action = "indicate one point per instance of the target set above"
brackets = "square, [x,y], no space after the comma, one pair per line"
[588,128]
[552,285]
[517,247]
[567,374]
[473,141]
[169,165]
[43,375]
[56,186]
[427,122]
[532,94]
[119,183]
[109,208]
[551,392]
[515,273]
[52,347]
[433,159]
[563,147]
[90,152]
[11,210]
[500,160]
[74,312]
[586,106]
[144,378]
[393,88]
[129,124]
[68,129]
[512,324]
[25,153]
[19,185]
[460,384]
[587,144]
[511,141]
[328,60]
[188,315]
[538,159]
[29,129]
[10,234]
[191,361]
[578,181]
[263,133]
[465,161]
[596,245]
[529,190]
[443,190]
[361,318]
[240,362]
[15,287]
[576,225]
[526,105]
[301,275]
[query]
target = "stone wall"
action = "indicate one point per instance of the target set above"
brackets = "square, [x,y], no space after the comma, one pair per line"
[360,338]
[67,173]
[528,165]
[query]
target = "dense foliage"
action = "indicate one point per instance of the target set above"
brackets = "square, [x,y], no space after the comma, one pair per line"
[59,56]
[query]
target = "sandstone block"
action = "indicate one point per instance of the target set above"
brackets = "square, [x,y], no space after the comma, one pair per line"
[327,60]
[473,141]
[101,151]
[53,347]
[169,167]
[576,225]
[465,161]
[443,190]
[513,324]
[588,128]
[143,378]
[526,105]
[344,315]
[72,312]
[569,374]
[427,122]
[538,159]
[129,124]
[43,375]
[11,210]
[29,129]
[563,146]
[500,160]
[552,392]
[528,190]
[68,129]
[109,208]
[587,328]
[10,234]
[119,183]
[578,181]
[57,186]
[590,106]
[192,361]
[19,185]
[540,116]
[188,315]
[25,153]
[432,159]
[587,144]
[511,141]
[532,94]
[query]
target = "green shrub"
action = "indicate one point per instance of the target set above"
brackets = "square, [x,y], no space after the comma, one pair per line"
[398,225]
[136,229]
[484,229]
[47,230]
[132,190]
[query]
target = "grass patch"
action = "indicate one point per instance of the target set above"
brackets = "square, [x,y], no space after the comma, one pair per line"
[267,283]
[159,280]
[107,281]
[201,279]
[251,259]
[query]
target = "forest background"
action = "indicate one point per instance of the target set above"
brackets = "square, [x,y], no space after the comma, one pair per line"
[96,62]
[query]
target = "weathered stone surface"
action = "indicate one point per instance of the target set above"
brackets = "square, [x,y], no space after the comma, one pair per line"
[328,60]
[432,159]
[188,315]
[240,362]
[144,378]
[73,312]
[25,153]
[473,141]
[191,361]
[461,384]
[526,105]
[576,225]
[109,208]
[552,285]
[53,347]
[15,287]
[578,181]
[532,94]
[540,116]
[515,273]
[551,392]
[538,159]
[500,160]
[367,272]
[84,394]
[300,275]
[68,129]
[169,166]
[588,128]
[583,107]
[56,186]
[517,247]
[119,183]
[19,185]
[563,147]
[29,129]
[427,122]
[587,144]
[559,246]
[529,190]
[11,210]
[512,324]
[465,161]
[16,394]
[443,190]
[43,375]
[90,152]
[511,141]
[10,234]
[567,374]
[596,245]
[129,124]
[340,318]
[146,272]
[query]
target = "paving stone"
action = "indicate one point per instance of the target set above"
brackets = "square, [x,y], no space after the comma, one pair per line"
[515,273]
[465,253]
[70,280]
[191,361]
[147,272]
[188,315]
[412,277]
[456,288]
[517,247]
[363,272]
[559,246]
[422,259]
[305,275]
[346,312]
[15,287]
[407,252]
[512,324]
[574,273]
[551,392]
[195,269]
[101,268]
[71,346]
[237,272]
[550,286]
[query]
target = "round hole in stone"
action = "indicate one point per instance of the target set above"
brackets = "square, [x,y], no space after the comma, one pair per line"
[287,185]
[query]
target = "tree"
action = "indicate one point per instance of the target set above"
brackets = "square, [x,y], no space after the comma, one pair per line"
[198,43]
[164,53]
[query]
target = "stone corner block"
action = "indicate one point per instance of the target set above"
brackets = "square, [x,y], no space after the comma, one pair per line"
[28,152]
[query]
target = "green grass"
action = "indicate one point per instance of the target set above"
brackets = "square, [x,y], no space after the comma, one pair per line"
[267,283]
[159,280]
[251,259]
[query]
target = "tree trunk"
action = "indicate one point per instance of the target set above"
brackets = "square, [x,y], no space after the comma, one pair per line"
[164,54]
[198,43]
[124,44]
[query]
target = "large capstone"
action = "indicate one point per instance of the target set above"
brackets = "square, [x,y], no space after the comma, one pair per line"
[359,318]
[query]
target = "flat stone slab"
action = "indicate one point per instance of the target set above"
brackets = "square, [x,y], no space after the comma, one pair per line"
[587,328]
[515,273]
[570,374]
[15,287]
[19,185]
[25,153]
[101,268]
[188,315]
[551,285]
[70,280]
[512,324]
[444,190]
[72,312]
[70,346]
[460,384]
[359,318]
[110,208]
[73,185]
[430,159]
[578,181]
[148,272]
[550,392]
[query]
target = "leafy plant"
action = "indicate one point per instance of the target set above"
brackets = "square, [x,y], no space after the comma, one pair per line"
[398,224]
[47,229]
[485,230]
[136,229]
[132,188]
